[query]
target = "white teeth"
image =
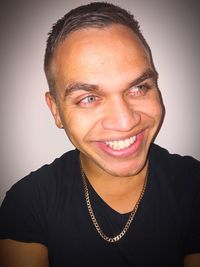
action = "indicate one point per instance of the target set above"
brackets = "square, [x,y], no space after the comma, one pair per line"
[121,144]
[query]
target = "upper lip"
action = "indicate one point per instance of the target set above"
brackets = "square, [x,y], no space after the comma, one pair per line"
[121,137]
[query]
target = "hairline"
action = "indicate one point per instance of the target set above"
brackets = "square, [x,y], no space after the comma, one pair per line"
[60,39]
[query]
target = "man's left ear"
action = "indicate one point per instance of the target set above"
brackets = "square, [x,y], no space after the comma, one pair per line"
[51,102]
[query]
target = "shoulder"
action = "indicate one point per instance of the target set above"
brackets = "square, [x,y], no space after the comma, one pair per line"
[177,182]
[47,179]
[173,162]
[30,202]
[179,173]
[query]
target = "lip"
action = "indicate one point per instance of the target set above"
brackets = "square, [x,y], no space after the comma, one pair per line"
[127,152]
[112,139]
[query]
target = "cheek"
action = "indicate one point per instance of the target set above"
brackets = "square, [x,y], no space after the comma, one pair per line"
[157,110]
[155,105]
[77,125]
[152,109]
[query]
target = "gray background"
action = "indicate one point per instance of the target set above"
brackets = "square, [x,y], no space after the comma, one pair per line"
[29,138]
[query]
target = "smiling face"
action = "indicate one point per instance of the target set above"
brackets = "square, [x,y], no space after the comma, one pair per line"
[106,98]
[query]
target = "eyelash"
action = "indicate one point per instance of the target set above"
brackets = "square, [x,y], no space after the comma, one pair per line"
[135,91]
[139,90]
[86,100]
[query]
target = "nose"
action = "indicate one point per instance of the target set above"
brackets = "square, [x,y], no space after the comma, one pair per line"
[120,116]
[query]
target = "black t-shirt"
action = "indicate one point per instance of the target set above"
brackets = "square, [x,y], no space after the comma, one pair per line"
[48,206]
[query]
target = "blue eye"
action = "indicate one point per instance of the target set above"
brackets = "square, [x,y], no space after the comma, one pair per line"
[89,99]
[142,87]
[138,90]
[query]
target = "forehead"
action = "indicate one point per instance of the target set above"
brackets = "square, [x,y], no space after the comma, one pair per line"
[91,55]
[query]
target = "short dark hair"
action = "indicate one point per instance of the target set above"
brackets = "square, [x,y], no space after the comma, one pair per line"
[93,15]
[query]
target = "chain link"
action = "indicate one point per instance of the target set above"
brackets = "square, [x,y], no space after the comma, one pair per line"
[93,218]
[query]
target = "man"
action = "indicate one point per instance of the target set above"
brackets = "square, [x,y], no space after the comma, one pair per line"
[118,199]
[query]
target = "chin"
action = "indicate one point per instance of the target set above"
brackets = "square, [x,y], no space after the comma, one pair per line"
[124,169]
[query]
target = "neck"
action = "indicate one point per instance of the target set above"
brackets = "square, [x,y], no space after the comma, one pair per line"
[120,193]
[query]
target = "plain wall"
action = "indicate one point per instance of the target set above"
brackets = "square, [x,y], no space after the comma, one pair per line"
[29,138]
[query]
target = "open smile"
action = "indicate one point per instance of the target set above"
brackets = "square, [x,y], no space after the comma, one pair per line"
[122,147]
[121,144]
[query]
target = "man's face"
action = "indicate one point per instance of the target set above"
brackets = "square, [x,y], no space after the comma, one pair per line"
[107,99]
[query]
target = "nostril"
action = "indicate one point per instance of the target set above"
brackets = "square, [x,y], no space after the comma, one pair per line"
[121,120]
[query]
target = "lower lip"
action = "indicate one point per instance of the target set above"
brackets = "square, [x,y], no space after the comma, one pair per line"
[127,152]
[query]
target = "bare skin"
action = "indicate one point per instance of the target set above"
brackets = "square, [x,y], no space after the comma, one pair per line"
[19,254]
[98,58]
[192,260]
[119,107]
[107,107]
[120,194]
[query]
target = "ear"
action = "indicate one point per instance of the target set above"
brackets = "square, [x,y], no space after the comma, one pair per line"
[51,102]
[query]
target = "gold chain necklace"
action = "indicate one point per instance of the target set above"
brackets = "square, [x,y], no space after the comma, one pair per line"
[93,218]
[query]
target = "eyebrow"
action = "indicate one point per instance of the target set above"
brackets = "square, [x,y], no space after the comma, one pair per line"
[77,86]
[148,74]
